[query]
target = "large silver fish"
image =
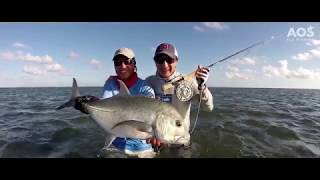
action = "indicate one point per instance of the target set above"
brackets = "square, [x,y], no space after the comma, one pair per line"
[129,116]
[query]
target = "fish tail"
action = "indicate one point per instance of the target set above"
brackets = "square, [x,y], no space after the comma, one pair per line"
[74,95]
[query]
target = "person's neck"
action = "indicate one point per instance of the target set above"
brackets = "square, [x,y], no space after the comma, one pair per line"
[166,78]
[131,81]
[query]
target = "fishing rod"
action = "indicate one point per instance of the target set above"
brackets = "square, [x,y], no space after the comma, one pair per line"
[188,77]
[238,52]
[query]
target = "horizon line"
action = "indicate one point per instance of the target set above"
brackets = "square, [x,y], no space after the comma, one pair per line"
[208,87]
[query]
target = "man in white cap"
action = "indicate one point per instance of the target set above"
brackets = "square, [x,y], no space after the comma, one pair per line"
[126,70]
[183,93]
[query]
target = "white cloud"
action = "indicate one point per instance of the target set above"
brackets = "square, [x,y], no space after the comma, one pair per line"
[313,42]
[153,49]
[7,56]
[38,70]
[46,59]
[236,73]
[284,71]
[244,61]
[18,45]
[249,71]
[270,71]
[315,52]
[309,55]
[215,25]
[305,73]
[54,68]
[205,26]
[96,63]
[19,55]
[303,56]
[198,28]
[19,52]
[73,55]
[33,70]
[232,68]
[41,64]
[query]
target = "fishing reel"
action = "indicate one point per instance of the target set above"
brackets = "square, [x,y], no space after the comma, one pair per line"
[184,90]
[180,86]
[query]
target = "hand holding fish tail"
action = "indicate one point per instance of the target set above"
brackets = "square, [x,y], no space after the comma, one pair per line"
[84,99]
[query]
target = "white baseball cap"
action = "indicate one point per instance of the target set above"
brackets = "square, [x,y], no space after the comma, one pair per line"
[126,52]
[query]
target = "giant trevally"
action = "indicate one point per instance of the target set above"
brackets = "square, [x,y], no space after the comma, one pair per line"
[129,116]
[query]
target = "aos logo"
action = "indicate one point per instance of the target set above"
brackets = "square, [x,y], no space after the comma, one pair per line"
[300,33]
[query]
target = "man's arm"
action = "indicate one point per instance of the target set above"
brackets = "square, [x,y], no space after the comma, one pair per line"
[207,100]
[107,88]
[200,84]
[107,93]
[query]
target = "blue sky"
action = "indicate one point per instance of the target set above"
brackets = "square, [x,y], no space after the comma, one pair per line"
[51,54]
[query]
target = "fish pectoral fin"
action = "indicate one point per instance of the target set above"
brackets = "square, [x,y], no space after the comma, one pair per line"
[124,91]
[141,126]
[132,129]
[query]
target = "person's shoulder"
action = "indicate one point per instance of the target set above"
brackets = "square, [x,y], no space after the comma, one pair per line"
[110,80]
[144,88]
[109,83]
[151,78]
[142,82]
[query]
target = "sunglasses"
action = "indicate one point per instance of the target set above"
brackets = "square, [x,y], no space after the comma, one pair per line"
[161,60]
[119,63]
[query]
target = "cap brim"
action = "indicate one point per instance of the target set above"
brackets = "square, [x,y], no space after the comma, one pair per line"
[168,54]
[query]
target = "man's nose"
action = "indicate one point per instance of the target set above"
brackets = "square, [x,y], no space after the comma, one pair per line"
[122,65]
[165,63]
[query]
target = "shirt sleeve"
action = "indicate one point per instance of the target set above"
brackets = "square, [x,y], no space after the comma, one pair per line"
[146,90]
[107,91]
[206,98]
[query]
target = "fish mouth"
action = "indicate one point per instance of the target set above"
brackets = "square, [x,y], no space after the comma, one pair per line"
[180,140]
[172,141]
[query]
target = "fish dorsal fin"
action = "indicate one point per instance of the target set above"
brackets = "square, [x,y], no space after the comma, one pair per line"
[124,91]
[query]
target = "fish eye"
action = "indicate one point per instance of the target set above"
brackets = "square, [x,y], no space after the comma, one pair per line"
[178,123]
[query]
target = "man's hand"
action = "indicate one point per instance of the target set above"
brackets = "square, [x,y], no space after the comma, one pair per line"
[156,144]
[202,76]
[84,99]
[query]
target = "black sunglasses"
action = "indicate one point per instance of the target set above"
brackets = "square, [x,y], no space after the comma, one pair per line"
[119,63]
[162,59]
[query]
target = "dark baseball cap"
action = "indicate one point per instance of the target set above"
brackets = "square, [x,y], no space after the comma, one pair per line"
[168,49]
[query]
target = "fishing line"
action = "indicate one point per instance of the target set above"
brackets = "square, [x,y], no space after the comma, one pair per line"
[198,112]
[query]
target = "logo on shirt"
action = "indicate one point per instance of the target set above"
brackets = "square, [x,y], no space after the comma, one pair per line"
[166,98]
